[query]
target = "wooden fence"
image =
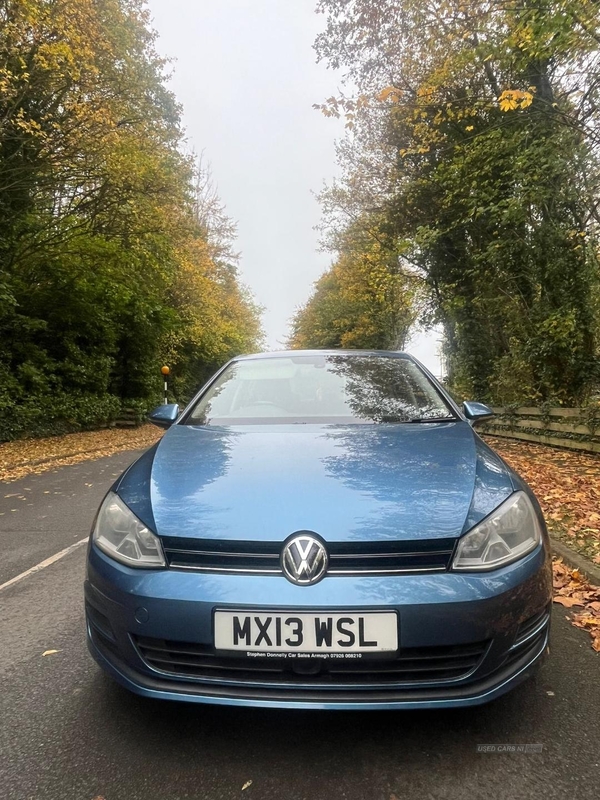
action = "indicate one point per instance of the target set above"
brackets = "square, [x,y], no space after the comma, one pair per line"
[128,418]
[573,428]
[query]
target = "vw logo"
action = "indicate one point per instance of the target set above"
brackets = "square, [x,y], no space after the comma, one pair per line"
[304,559]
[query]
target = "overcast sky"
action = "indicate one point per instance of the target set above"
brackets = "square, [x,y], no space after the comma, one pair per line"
[245,73]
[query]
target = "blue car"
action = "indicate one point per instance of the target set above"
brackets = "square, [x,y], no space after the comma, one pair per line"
[320,529]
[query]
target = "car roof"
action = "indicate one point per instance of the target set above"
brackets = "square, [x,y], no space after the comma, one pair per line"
[296,353]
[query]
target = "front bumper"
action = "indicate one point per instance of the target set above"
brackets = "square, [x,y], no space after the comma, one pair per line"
[500,621]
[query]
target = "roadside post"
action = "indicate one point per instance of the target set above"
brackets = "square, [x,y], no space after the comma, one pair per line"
[165,371]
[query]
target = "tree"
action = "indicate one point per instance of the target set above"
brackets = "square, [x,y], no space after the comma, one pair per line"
[479,123]
[99,223]
[363,301]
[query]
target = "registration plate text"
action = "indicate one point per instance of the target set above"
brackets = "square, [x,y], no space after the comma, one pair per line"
[268,632]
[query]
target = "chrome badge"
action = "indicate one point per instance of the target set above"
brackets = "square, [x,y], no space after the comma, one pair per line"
[304,559]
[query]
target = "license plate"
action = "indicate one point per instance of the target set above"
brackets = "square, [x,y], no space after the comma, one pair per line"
[314,633]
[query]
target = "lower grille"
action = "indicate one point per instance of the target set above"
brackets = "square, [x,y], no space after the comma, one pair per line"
[345,558]
[414,665]
[530,636]
[532,626]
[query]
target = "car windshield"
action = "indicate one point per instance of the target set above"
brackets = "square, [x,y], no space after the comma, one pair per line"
[320,388]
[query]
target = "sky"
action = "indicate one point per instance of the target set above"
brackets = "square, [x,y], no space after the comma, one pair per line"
[246,76]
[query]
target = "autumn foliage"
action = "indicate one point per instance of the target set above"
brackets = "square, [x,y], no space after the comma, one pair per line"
[363,301]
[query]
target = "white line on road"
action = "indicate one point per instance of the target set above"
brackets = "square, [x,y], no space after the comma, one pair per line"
[43,564]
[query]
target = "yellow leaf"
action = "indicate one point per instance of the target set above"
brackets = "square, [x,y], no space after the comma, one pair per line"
[390,92]
[469,127]
[526,99]
[512,99]
[50,652]
[508,104]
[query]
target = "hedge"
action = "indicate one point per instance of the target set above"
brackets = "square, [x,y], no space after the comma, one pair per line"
[55,414]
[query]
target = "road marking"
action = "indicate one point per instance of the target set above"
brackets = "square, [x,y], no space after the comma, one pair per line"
[43,564]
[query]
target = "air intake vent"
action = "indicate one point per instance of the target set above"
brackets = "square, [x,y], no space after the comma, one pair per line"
[414,665]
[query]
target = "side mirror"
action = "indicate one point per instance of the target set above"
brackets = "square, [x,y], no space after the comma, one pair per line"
[164,416]
[477,412]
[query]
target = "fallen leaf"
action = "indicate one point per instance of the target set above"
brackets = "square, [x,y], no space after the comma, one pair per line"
[50,652]
[246,785]
[567,602]
[584,622]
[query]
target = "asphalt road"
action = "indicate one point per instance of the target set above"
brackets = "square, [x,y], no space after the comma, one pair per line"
[67,732]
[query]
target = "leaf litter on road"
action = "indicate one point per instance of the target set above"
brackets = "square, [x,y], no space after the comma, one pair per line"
[25,457]
[571,590]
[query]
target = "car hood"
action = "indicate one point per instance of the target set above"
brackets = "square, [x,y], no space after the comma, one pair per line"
[359,482]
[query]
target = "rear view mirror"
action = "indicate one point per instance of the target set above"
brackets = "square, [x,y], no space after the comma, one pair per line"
[164,416]
[477,412]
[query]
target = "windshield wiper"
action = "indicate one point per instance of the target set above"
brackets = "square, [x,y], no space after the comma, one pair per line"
[432,419]
[392,419]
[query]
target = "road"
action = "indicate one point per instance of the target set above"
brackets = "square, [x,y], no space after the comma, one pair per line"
[69,733]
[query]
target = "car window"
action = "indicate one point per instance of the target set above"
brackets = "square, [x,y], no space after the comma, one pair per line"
[329,388]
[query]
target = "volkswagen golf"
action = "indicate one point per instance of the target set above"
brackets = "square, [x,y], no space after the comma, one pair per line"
[320,529]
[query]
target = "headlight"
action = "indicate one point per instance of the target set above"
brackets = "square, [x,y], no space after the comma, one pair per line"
[509,533]
[121,535]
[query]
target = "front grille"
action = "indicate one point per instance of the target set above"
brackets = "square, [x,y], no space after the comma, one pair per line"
[345,558]
[413,665]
